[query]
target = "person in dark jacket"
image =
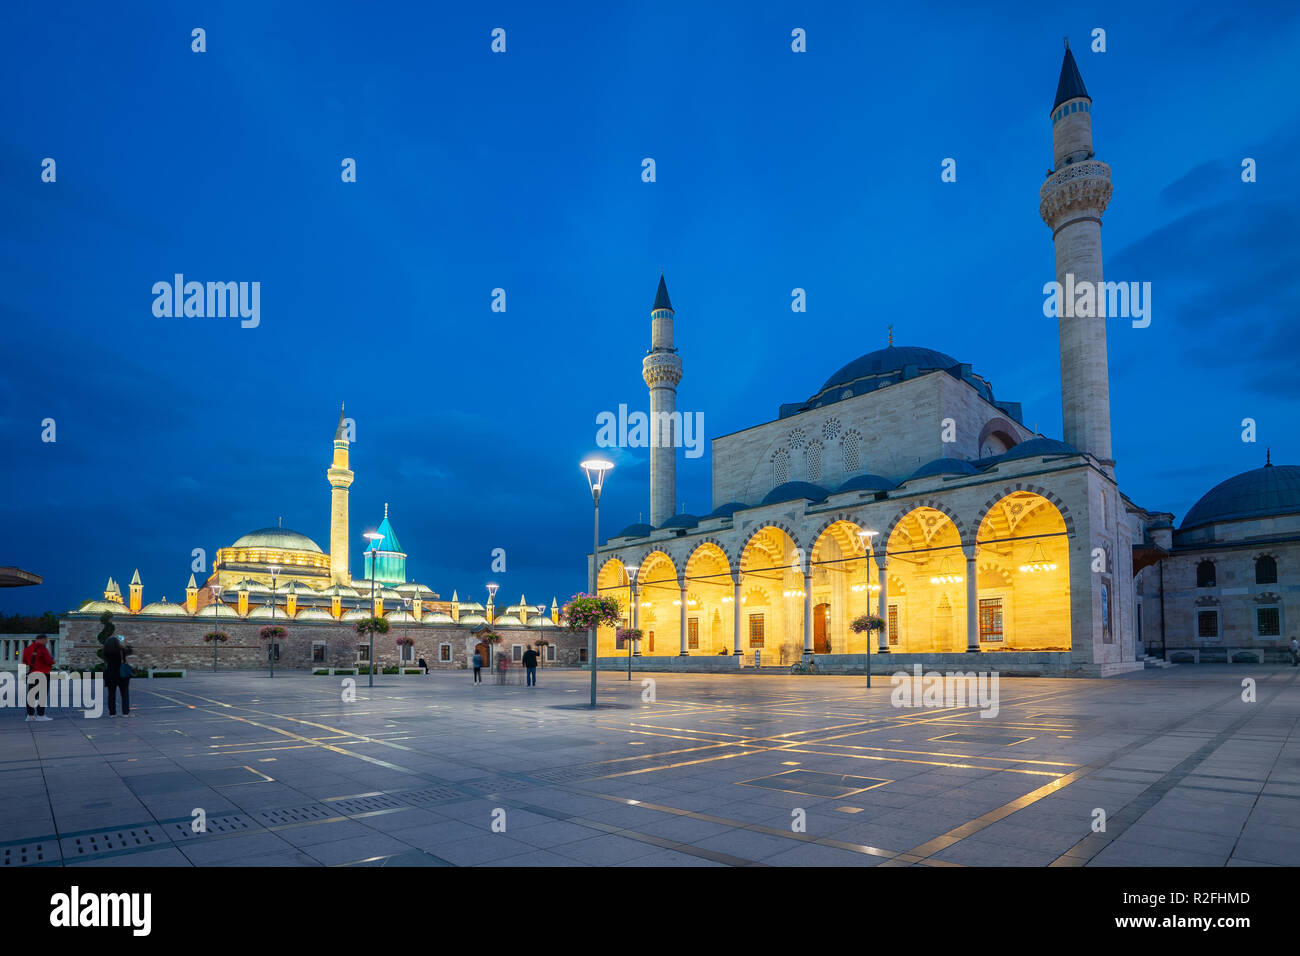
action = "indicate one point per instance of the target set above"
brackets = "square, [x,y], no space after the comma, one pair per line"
[530,665]
[115,655]
[37,658]
[478,667]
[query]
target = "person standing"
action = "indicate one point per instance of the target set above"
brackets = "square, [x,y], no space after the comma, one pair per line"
[1295,652]
[117,675]
[36,657]
[478,668]
[530,665]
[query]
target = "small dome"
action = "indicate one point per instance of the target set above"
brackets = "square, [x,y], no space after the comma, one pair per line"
[794,490]
[541,620]
[727,510]
[277,538]
[354,615]
[1271,490]
[217,610]
[507,620]
[437,617]
[99,607]
[635,531]
[399,617]
[313,614]
[681,521]
[164,607]
[944,466]
[1036,448]
[866,483]
[473,618]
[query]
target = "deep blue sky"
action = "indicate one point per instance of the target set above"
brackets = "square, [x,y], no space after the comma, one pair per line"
[522,170]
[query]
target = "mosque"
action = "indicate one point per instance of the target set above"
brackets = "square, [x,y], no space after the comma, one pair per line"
[277,574]
[904,488]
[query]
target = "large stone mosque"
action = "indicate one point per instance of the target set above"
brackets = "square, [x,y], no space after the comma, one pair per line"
[277,575]
[905,489]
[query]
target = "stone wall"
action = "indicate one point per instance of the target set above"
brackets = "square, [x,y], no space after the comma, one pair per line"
[178,642]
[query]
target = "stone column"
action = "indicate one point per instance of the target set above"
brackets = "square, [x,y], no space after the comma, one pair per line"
[681,584]
[807,614]
[736,632]
[883,602]
[972,604]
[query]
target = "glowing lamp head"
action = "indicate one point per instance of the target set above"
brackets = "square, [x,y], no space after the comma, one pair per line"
[596,469]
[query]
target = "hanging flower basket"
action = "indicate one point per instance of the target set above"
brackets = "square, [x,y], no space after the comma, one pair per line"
[219,637]
[586,612]
[272,632]
[541,642]
[373,625]
[628,634]
[406,642]
[490,637]
[866,622]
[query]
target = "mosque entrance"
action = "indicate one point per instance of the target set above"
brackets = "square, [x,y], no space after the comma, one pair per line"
[485,650]
[821,623]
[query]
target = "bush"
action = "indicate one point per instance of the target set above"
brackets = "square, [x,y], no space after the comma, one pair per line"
[343,670]
[389,670]
[321,672]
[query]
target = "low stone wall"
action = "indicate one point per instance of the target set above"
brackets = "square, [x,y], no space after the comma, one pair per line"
[1006,663]
[178,643]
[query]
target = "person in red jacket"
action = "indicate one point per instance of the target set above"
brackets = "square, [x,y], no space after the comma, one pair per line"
[38,661]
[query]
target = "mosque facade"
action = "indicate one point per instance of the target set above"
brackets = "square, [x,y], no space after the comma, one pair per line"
[905,489]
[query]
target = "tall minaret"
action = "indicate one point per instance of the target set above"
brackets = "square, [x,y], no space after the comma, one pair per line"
[662,370]
[340,478]
[1073,198]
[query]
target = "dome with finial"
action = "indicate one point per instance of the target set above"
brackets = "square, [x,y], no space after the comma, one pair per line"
[1261,493]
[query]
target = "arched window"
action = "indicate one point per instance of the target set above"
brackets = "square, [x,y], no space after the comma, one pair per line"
[849,445]
[814,461]
[1205,574]
[780,468]
[1266,569]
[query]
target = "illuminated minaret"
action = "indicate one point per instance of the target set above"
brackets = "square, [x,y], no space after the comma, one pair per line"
[340,478]
[1072,200]
[662,370]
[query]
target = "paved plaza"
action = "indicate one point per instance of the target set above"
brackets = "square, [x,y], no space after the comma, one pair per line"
[711,773]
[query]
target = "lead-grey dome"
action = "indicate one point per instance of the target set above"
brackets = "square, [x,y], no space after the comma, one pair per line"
[1261,493]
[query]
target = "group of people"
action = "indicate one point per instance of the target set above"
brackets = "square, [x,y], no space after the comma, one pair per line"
[117,675]
[530,659]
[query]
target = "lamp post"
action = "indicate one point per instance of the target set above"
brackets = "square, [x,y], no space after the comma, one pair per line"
[866,537]
[270,648]
[596,469]
[406,633]
[632,569]
[216,611]
[375,537]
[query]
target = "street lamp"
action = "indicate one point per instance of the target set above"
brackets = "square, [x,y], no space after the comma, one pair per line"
[633,616]
[216,611]
[270,648]
[596,469]
[866,537]
[375,537]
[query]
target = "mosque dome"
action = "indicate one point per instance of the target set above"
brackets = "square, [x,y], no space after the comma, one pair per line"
[866,483]
[944,466]
[314,614]
[727,510]
[164,607]
[1261,493]
[99,607]
[1037,448]
[794,491]
[281,538]
[681,521]
[635,531]
[891,359]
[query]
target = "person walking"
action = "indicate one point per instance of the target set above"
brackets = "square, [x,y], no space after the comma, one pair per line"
[478,668]
[530,665]
[1295,652]
[36,657]
[117,675]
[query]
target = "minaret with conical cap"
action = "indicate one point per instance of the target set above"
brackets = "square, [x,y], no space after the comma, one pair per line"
[1073,198]
[340,479]
[662,370]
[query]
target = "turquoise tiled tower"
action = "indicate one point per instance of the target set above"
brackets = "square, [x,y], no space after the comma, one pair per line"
[385,559]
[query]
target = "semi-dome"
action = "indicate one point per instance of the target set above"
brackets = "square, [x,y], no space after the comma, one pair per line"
[866,483]
[727,510]
[794,491]
[944,466]
[891,359]
[281,538]
[1271,490]
[681,521]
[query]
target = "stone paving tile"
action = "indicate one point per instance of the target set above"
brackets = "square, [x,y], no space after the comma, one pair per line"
[1182,779]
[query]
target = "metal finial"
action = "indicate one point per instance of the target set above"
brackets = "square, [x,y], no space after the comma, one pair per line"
[1067,43]
[891,336]
[385,509]
[1268,457]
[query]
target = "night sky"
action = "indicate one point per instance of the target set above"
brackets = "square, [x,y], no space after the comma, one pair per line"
[522,171]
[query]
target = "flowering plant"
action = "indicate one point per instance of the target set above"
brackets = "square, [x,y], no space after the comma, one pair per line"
[628,634]
[376,625]
[866,622]
[218,636]
[272,632]
[586,612]
[491,637]
[406,641]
